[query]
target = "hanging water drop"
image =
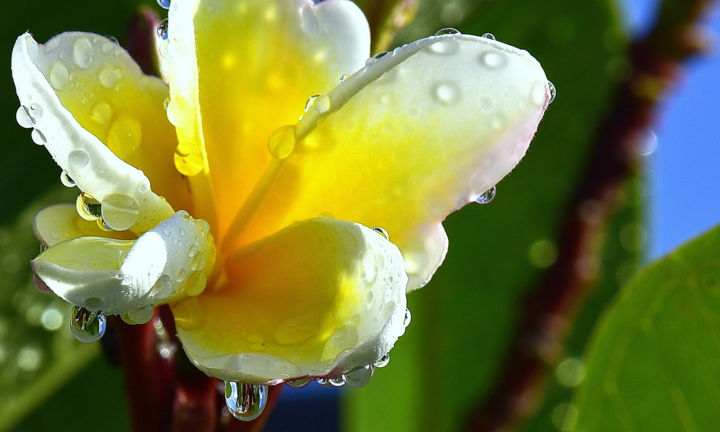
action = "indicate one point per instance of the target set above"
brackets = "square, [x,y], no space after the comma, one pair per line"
[407,318]
[553,92]
[162,30]
[447,31]
[487,196]
[87,326]
[383,232]
[300,382]
[23,118]
[359,377]
[384,360]
[87,207]
[165,4]
[38,137]
[120,211]
[66,180]
[337,382]
[323,382]
[489,36]
[245,401]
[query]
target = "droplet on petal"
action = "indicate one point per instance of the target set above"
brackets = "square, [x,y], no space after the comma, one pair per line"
[101,113]
[83,53]
[245,401]
[59,76]
[359,377]
[487,196]
[23,118]
[383,361]
[447,31]
[446,93]
[489,36]
[66,180]
[86,326]
[282,142]
[300,382]
[38,137]
[383,232]
[553,92]
[120,211]
[138,316]
[162,30]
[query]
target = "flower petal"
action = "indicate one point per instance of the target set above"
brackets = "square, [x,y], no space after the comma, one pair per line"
[61,222]
[75,142]
[115,276]
[407,140]
[227,60]
[319,298]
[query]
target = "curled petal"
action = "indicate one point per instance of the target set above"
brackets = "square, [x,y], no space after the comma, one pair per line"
[321,297]
[413,136]
[61,222]
[124,191]
[167,263]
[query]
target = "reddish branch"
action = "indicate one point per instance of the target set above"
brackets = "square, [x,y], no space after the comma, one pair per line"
[549,309]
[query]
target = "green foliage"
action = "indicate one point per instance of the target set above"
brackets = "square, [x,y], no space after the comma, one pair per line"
[652,364]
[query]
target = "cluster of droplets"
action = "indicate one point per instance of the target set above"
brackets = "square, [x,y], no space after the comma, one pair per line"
[86,326]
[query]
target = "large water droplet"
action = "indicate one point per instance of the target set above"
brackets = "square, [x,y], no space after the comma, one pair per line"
[87,326]
[58,76]
[120,211]
[553,92]
[359,377]
[245,401]
[165,4]
[446,93]
[383,232]
[87,207]
[487,196]
[78,159]
[162,30]
[282,142]
[383,361]
[83,53]
[66,180]
[23,118]
[38,137]
[101,113]
[300,382]
[138,316]
[337,382]
[322,103]
[447,31]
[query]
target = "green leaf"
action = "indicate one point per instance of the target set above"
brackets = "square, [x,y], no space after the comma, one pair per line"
[463,319]
[653,364]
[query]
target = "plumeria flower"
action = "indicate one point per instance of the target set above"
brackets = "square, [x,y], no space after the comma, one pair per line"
[244,187]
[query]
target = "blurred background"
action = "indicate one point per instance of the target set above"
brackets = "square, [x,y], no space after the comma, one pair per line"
[463,320]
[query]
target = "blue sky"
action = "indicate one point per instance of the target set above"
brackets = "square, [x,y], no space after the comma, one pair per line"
[684,170]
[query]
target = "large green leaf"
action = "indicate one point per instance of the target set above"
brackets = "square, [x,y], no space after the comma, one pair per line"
[463,319]
[653,364]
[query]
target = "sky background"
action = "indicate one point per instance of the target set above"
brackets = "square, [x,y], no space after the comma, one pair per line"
[683,172]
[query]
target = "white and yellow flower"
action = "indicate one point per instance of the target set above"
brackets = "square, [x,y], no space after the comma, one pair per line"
[254,225]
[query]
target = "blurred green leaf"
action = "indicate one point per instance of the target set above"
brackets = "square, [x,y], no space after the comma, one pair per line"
[652,364]
[463,319]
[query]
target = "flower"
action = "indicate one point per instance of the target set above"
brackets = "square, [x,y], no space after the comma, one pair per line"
[204,191]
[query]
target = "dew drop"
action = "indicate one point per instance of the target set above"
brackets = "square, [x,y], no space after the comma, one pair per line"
[162,30]
[58,76]
[322,103]
[124,136]
[384,360]
[337,382]
[323,382]
[87,208]
[78,159]
[109,76]
[407,318]
[282,142]
[83,53]
[245,401]
[101,113]
[493,59]
[119,211]
[359,377]
[107,47]
[487,196]
[489,36]
[447,31]
[344,77]
[445,47]
[38,137]
[165,4]
[23,118]
[138,316]
[66,180]
[553,92]
[446,93]
[87,326]
[300,382]
[383,232]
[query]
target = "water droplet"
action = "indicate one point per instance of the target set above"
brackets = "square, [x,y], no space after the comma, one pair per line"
[87,326]
[245,401]
[323,382]
[300,382]
[445,47]
[322,103]
[359,377]
[383,232]
[120,211]
[107,47]
[87,207]
[447,31]
[138,316]
[383,361]
[343,77]
[446,93]
[162,30]
[35,111]
[489,36]
[553,92]
[648,143]
[109,76]
[38,137]
[493,59]
[58,76]
[66,180]
[337,382]
[101,113]
[78,159]
[124,136]
[165,4]
[23,118]
[83,53]
[282,142]
[487,196]
[407,318]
